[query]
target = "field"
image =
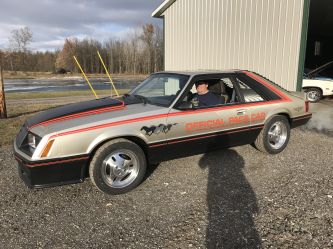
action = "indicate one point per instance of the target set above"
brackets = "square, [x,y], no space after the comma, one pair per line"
[20,106]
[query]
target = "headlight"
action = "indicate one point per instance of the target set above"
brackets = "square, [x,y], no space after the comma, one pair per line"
[32,141]
[30,144]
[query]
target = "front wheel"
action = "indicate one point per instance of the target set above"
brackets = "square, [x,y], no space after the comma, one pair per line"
[313,95]
[274,137]
[118,166]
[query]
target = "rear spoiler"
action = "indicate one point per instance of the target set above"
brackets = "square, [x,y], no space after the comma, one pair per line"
[318,70]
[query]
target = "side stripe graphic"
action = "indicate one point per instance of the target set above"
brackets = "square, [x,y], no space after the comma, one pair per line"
[258,79]
[181,140]
[79,115]
[283,97]
[57,162]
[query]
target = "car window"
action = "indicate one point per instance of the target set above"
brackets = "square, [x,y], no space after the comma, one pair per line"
[229,91]
[249,94]
[221,91]
[161,89]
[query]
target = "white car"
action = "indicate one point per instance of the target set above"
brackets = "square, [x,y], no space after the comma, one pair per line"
[317,86]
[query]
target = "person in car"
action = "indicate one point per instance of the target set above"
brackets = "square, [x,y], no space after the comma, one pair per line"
[205,98]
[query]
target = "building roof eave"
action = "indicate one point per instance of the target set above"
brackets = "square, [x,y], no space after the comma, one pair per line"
[160,10]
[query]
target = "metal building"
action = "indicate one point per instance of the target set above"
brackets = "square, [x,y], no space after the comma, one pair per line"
[265,36]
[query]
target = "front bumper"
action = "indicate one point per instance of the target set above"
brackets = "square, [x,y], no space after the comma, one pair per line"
[48,173]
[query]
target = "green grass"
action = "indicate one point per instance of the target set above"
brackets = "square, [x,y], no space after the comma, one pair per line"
[18,114]
[9,128]
[20,111]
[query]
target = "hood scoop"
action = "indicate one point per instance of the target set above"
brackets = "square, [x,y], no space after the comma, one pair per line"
[73,111]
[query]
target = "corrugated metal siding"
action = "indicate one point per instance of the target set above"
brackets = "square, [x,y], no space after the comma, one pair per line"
[258,35]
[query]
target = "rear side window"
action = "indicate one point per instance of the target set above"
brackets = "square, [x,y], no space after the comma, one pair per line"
[254,91]
[249,94]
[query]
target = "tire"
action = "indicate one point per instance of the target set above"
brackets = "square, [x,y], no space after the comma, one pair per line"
[118,166]
[313,95]
[275,135]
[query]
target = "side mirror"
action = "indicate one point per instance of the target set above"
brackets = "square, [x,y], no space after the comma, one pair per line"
[185,105]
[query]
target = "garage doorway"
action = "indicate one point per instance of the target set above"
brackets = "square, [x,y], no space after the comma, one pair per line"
[319,49]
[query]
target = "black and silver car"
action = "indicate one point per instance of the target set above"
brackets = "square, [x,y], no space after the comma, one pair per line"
[114,140]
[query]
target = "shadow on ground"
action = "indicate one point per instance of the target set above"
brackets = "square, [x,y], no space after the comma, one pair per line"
[231,202]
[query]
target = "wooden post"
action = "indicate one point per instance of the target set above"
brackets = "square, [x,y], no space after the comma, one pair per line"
[3,110]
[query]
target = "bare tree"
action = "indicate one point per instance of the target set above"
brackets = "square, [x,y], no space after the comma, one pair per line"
[20,39]
[18,47]
[158,49]
[140,52]
[147,38]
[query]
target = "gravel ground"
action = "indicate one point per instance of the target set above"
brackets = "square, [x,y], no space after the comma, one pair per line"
[234,198]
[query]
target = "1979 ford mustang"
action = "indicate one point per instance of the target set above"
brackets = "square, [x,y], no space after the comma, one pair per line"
[113,140]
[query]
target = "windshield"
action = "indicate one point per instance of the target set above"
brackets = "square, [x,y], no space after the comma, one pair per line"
[161,89]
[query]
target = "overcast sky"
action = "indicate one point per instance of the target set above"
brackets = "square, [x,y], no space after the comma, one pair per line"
[51,21]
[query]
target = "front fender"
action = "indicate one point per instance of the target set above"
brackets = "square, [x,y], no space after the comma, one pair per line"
[103,138]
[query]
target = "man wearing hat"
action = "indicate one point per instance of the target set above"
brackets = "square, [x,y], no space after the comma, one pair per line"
[203,97]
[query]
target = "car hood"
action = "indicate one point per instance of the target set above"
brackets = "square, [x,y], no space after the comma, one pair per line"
[318,81]
[61,119]
[74,110]
[324,78]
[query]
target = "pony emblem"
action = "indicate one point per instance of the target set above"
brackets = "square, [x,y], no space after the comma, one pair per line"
[157,129]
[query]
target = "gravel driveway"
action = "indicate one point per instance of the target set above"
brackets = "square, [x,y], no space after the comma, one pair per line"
[234,198]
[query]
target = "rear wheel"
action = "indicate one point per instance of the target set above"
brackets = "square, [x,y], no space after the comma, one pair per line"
[313,94]
[118,166]
[274,136]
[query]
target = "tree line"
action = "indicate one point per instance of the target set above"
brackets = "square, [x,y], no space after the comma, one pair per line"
[140,53]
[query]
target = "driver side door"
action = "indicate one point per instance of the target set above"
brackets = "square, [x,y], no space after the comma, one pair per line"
[196,131]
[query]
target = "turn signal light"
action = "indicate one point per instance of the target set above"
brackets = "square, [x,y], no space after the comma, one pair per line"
[47,148]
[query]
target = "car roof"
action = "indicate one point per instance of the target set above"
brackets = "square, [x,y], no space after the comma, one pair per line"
[200,72]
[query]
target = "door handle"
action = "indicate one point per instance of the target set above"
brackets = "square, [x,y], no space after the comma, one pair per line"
[241,112]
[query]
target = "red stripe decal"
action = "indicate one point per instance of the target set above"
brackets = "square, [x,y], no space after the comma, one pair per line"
[260,80]
[57,162]
[109,125]
[303,117]
[81,114]
[220,108]
[284,98]
[213,135]
[157,145]
[18,159]
[165,115]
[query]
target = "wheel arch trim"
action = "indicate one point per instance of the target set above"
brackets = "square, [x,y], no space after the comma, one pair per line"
[313,87]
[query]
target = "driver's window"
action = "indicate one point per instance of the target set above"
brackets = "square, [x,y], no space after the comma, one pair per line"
[211,92]
[171,86]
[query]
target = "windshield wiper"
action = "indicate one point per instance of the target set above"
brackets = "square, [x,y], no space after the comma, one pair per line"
[142,98]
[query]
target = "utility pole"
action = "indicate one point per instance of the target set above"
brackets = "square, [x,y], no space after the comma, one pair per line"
[3,110]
